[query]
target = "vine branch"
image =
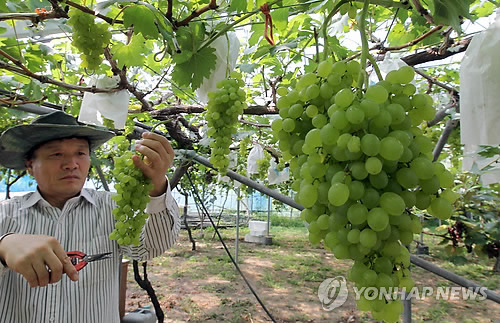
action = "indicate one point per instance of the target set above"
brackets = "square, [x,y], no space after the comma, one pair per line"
[34,17]
[109,20]
[45,79]
[211,6]
[413,42]
[431,79]
[124,83]
[433,55]
[422,11]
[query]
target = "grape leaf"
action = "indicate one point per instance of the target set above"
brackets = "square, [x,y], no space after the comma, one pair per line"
[131,54]
[280,19]
[190,37]
[450,12]
[248,68]
[238,5]
[199,66]
[142,19]
[484,10]
[33,90]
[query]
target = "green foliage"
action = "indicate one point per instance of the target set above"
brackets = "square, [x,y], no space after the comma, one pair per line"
[131,54]
[476,226]
[143,20]
[450,12]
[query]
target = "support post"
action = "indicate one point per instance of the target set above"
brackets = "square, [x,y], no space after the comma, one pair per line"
[237,241]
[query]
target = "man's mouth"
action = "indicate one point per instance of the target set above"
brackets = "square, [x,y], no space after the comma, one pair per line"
[71,177]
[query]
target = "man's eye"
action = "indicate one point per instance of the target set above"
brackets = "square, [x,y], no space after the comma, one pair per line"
[82,153]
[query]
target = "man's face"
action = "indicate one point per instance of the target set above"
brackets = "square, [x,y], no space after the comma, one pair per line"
[60,168]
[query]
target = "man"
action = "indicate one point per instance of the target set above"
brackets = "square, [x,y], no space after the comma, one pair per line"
[39,283]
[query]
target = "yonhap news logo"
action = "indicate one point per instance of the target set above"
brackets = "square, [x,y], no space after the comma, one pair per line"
[333,292]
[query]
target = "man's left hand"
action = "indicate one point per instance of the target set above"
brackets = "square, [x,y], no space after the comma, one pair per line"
[159,155]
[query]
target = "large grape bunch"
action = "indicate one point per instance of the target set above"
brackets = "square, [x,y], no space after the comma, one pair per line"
[360,163]
[89,37]
[223,109]
[131,197]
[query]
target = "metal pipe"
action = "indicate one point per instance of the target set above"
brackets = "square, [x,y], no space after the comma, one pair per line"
[33,108]
[446,274]
[190,154]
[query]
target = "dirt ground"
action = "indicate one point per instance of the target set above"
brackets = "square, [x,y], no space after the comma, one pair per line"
[203,286]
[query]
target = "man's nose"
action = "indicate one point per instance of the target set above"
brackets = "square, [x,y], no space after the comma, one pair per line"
[70,162]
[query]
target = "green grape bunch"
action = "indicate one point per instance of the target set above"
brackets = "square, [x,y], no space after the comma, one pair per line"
[131,197]
[224,107]
[360,164]
[263,166]
[89,37]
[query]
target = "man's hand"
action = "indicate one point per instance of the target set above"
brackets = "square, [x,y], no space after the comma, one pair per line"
[159,155]
[40,259]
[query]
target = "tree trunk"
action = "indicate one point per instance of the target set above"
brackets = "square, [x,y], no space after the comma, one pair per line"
[496,268]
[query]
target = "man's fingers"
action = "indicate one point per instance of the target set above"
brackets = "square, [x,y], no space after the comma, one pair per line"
[42,273]
[70,270]
[56,268]
[67,266]
[30,276]
[164,141]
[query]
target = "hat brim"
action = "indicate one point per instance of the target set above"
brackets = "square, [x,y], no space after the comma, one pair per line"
[17,141]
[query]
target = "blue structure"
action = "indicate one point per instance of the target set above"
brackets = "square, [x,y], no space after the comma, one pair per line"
[24,184]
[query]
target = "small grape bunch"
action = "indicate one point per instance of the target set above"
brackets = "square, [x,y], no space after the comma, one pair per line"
[131,197]
[223,109]
[89,37]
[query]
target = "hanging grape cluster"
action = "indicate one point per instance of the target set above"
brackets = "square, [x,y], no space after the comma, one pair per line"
[223,108]
[89,37]
[360,163]
[131,197]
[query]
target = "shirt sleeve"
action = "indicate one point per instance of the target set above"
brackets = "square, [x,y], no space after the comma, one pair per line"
[161,229]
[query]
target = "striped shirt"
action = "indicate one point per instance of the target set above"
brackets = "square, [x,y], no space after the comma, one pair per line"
[83,224]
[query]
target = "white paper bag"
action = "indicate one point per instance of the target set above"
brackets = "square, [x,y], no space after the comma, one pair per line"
[97,106]
[226,61]
[480,88]
[255,154]
[274,176]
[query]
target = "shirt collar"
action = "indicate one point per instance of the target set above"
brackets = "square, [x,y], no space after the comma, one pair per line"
[36,197]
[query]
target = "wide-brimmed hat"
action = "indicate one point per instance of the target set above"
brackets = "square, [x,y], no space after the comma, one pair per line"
[17,141]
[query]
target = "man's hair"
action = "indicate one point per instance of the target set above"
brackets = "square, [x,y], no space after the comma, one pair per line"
[30,154]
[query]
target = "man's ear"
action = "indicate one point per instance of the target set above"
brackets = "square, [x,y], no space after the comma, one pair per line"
[29,166]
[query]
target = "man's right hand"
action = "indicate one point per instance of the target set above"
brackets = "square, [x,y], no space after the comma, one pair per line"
[39,258]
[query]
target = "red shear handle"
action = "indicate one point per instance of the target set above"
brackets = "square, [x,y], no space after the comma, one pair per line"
[77,259]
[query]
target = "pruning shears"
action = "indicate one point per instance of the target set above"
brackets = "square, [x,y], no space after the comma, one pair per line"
[80,259]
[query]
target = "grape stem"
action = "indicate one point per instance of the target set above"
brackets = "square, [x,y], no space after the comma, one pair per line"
[325,26]
[375,67]
[158,124]
[364,44]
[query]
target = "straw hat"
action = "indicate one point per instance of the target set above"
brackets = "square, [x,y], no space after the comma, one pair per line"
[17,141]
